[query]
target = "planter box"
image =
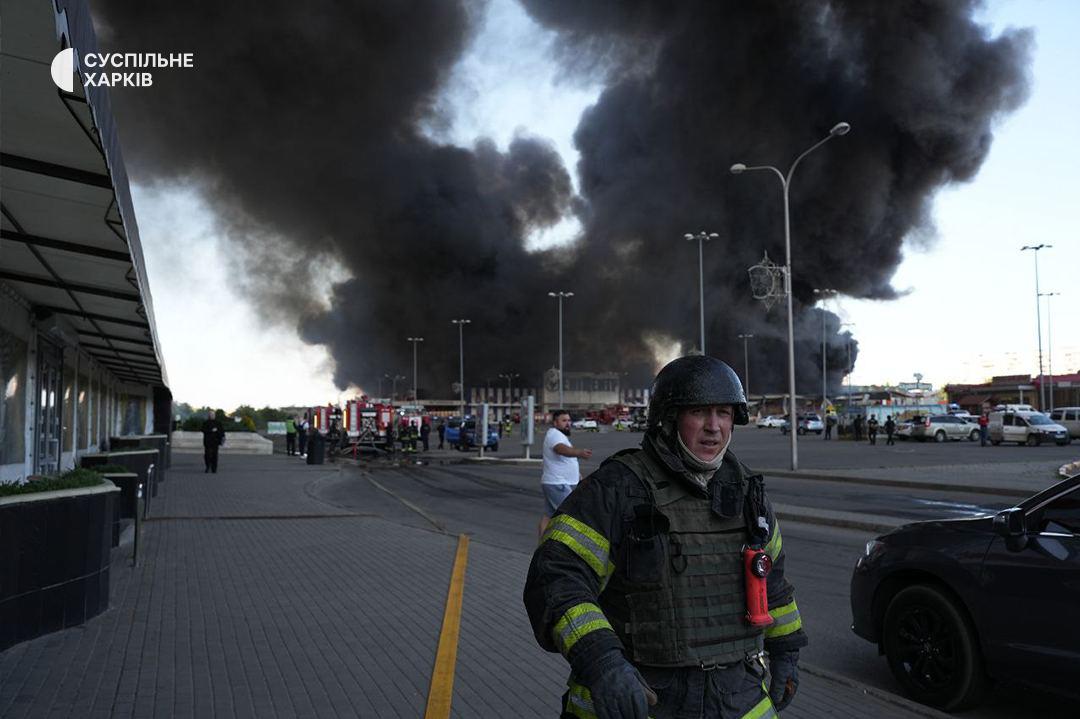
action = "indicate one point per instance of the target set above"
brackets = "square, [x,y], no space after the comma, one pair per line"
[127,502]
[137,460]
[160,442]
[54,567]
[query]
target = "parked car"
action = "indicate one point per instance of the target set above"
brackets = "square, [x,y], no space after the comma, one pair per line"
[469,432]
[770,420]
[452,436]
[586,423]
[904,427]
[940,427]
[806,423]
[1023,427]
[1069,418]
[639,423]
[953,604]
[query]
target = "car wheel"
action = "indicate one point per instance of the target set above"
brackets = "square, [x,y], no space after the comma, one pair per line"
[1032,440]
[973,436]
[995,442]
[932,649]
[800,430]
[939,436]
[495,447]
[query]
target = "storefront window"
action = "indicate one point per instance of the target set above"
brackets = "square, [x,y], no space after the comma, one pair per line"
[12,398]
[82,398]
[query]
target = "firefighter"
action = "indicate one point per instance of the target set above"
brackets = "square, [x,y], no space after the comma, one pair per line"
[648,579]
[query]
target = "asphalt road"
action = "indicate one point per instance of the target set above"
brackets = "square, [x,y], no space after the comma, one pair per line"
[501,504]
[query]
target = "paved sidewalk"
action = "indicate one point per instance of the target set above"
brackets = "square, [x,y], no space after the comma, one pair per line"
[255,599]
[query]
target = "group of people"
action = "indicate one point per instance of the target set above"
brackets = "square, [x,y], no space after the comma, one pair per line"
[296,428]
[660,577]
[872,426]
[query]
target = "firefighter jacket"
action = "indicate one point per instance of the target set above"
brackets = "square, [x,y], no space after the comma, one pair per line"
[641,560]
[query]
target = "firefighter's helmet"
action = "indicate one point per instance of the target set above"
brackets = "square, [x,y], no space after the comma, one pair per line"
[695,381]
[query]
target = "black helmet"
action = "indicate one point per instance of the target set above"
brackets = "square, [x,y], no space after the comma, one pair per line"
[694,381]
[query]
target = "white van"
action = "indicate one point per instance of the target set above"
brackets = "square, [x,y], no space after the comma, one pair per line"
[1069,418]
[1025,427]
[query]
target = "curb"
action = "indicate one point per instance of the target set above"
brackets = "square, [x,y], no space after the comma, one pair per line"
[903,483]
[501,460]
[876,523]
[895,699]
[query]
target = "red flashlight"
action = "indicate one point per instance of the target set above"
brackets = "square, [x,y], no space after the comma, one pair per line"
[756,566]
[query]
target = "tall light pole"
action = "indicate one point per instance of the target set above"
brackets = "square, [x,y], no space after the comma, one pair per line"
[746,364]
[393,385]
[415,393]
[823,293]
[1038,319]
[840,128]
[560,295]
[702,237]
[461,355]
[509,377]
[1049,347]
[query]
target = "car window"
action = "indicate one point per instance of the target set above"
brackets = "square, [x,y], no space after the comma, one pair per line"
[1075,414]
[1007,420]
[1037,419]
[1057,414]
[1061,515]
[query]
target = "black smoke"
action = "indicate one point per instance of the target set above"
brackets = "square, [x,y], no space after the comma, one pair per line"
[303,124]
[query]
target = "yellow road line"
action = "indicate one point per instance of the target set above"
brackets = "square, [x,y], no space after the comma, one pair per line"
[441,693]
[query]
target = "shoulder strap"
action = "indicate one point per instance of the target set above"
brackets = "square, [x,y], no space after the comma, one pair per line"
[652,475]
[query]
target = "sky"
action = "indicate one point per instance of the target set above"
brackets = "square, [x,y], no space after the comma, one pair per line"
[968,311]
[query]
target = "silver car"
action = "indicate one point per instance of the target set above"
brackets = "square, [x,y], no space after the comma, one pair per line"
[940,427]
[1069,418]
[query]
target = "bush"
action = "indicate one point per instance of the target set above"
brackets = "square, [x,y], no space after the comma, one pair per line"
[112,469]
[72,479]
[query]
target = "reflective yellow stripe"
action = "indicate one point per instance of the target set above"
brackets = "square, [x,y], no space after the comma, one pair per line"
[578,621]
[776,542]
[579,702]
[786,620]
[762,710]
[583,540]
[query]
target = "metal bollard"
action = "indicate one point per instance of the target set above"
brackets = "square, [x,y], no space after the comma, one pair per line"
[138,526]
[149,489]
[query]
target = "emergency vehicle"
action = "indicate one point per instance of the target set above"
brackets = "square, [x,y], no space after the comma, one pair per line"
[363,422]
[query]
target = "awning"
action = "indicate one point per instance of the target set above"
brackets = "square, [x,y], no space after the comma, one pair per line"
[69,243]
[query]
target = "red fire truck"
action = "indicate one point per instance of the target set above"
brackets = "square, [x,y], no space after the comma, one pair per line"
[363,423]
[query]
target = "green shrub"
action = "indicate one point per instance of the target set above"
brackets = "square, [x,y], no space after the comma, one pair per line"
[72,479]
[113,469]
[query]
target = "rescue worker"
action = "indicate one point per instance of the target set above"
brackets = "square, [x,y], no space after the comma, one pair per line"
[639,579]
[290,436]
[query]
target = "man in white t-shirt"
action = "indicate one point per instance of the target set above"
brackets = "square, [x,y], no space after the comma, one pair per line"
[561,472]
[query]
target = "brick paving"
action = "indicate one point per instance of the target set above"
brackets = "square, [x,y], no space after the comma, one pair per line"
[255,599]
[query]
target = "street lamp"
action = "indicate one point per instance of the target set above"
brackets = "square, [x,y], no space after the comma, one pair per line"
[461,355]
[840,128]
[509,377]
[560,295]
[1038,318]
[701,237]
[393,385]
[823,293]
[415,391]
[746,364]
[1049,347]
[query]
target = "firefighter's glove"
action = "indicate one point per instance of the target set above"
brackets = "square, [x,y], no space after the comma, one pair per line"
[784,669]
[618,690]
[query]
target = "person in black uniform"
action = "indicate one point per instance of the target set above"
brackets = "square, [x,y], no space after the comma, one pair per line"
[213,435]
[639,578]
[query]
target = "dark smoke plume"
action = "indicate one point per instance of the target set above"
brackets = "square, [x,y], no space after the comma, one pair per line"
[303,123]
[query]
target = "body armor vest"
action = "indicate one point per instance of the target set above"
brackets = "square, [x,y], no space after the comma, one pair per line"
[678,599]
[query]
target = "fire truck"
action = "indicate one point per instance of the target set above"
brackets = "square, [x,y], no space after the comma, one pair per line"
[363,423]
